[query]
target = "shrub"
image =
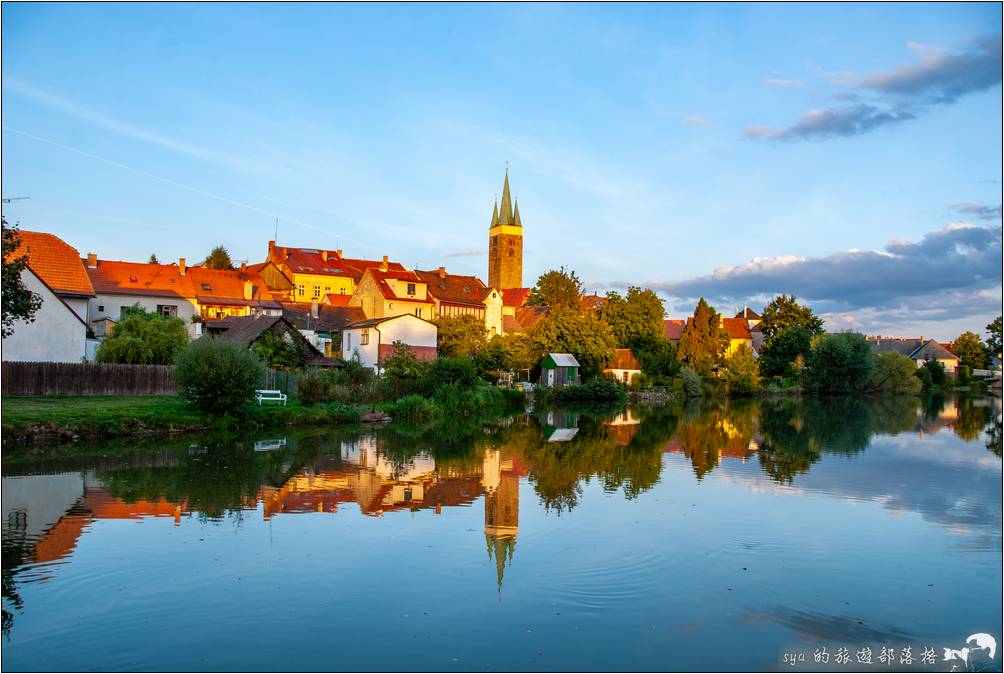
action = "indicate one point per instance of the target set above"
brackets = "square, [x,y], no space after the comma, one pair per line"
[460,372]
[937,373]
[894,373]
[217,375]
[838,363]
[413,409]
[143,337]
[923,375]
[741,372]
[314,386]
[594,389]
[691,382]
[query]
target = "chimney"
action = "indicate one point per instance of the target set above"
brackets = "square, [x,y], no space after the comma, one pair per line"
[92,260]
[442,272]
[313,309]
[339,251]
[248,290]
[384,266]
[324,255]
[181,266]
[244,266]
[271,246]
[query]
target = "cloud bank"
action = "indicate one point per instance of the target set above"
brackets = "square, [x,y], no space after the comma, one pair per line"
[950,273]
[882,99]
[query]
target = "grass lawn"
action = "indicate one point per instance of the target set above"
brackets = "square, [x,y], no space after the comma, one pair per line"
[76,410]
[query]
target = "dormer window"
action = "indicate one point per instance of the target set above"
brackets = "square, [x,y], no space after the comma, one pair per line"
[133,279]
[411,288]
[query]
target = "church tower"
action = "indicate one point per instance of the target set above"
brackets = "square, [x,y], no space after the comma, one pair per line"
[505,243]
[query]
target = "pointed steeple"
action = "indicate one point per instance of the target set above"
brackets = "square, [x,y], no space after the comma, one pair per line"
[501,550]
[516,220]
[506,217]
[495,214]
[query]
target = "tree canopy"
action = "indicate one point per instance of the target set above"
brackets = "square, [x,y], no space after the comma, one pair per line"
[704,340]
[557,288]
[894,373]
[218,258]
[143,337]
[19,303]
[637,315]
[460,336]
[970,350]
[994,337]
[785,351]
[784,312]
[584,335]
[839,363]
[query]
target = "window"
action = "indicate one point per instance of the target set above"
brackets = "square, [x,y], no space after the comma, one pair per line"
[365,338]
[327,289]
[348,341]
[101,307]
[411,288]
[168,310]
[418,312]
[317,292]
[341,291]
[207,287]
[299,290]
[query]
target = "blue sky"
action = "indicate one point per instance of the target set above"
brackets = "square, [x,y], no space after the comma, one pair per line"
[727,151]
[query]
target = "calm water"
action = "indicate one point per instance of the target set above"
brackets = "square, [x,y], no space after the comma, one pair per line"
[716,538]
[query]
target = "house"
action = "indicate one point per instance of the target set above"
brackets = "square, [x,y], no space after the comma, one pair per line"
[559,369]
[739,333]
[383,292]
[165,289]
[592,302]
[752,317]
[246,330]
[624,367]
[462,295]
[58,332]
[219,293]
[314,273]
[674,329]
[372,340]
[322,324]
[917,349]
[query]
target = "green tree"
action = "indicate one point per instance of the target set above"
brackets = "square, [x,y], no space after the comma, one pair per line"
[784,312]
[657,357]
[402,368]
[994,338]
[557,288]
[461,336]
[970,350]
[217,375]
[153,259]
[894,373]
[781,355]
[585,336]
[635,316]
[144,337]
[935,373]
[741,371]
[704,340]
[281,350]
[839,363]
[19,303]
[218,258]
[507,353]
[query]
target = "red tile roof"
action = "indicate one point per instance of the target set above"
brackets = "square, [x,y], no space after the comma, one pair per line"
[592,302]
[738,328]
[530,316]
[674,329]
[56,262]
[140,278]
[624,360]
[224,286]
[515,297]
[381,277]
[454,288]
[337,300]
[311,261]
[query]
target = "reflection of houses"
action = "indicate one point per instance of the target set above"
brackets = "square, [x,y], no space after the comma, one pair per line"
[623,427]
[501,472]
[559,426]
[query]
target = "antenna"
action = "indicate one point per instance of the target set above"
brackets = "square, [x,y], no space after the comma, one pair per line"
[276,238]
[7,200]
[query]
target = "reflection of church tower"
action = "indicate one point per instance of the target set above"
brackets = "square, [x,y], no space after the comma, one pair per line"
[501,486]
[505,244]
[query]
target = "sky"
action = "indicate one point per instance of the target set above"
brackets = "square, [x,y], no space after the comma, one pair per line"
[849,154]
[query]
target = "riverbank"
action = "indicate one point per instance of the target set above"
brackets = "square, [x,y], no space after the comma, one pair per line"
[31,420]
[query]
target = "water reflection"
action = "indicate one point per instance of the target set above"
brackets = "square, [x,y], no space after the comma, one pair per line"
[553,455]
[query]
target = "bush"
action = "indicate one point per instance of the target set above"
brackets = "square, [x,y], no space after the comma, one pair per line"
[217,375]
[839,363]
[936,371]
[894,373]
[143,337]
[413,409]
[594,389]
[691,382]
[460,372]
[741,372]
[923,375]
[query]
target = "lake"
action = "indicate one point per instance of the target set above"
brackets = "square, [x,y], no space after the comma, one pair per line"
[748,535]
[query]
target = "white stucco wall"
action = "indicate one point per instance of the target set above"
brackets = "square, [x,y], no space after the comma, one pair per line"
[368,354]
[56,334]
[620,375]
[113,304]
[411,330]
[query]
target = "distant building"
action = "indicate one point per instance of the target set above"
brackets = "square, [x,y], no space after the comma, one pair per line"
[739,333]
[383,292]
[559,369]
[624,367]
[674,329]
[59,331]
[246,330]
[505,244]
[918,349]
[312,273]
[372,340]
[462,295]
[322,324]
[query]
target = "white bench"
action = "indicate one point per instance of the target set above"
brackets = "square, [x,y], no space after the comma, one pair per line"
[269,394]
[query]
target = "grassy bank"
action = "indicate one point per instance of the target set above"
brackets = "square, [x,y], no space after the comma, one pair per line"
[32,419]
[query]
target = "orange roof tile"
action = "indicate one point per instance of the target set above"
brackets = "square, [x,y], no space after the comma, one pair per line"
[225,286]
[674,329]
[738,328]
[56,262]
[515,297]
[312,261]
[624,360]
[337,300]
[381,277]
[140,278]
[454,288]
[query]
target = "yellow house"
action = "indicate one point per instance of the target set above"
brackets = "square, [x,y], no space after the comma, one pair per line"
[384,292]
[315,273]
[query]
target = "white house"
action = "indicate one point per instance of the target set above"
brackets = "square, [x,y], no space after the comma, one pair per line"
[372,340]
[162,288]
[56,274]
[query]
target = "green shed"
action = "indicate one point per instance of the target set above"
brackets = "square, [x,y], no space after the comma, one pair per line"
[558,369]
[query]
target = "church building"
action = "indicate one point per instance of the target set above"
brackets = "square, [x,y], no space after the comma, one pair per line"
[505,244]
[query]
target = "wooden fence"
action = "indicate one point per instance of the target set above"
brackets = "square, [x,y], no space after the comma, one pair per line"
[86,379]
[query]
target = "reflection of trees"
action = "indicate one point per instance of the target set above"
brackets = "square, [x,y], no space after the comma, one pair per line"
[972,420]
[15,553]
[723,428]
[994,436]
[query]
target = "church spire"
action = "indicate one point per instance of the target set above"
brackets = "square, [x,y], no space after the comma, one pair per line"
[506,217]
[495,214]
[516,220]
